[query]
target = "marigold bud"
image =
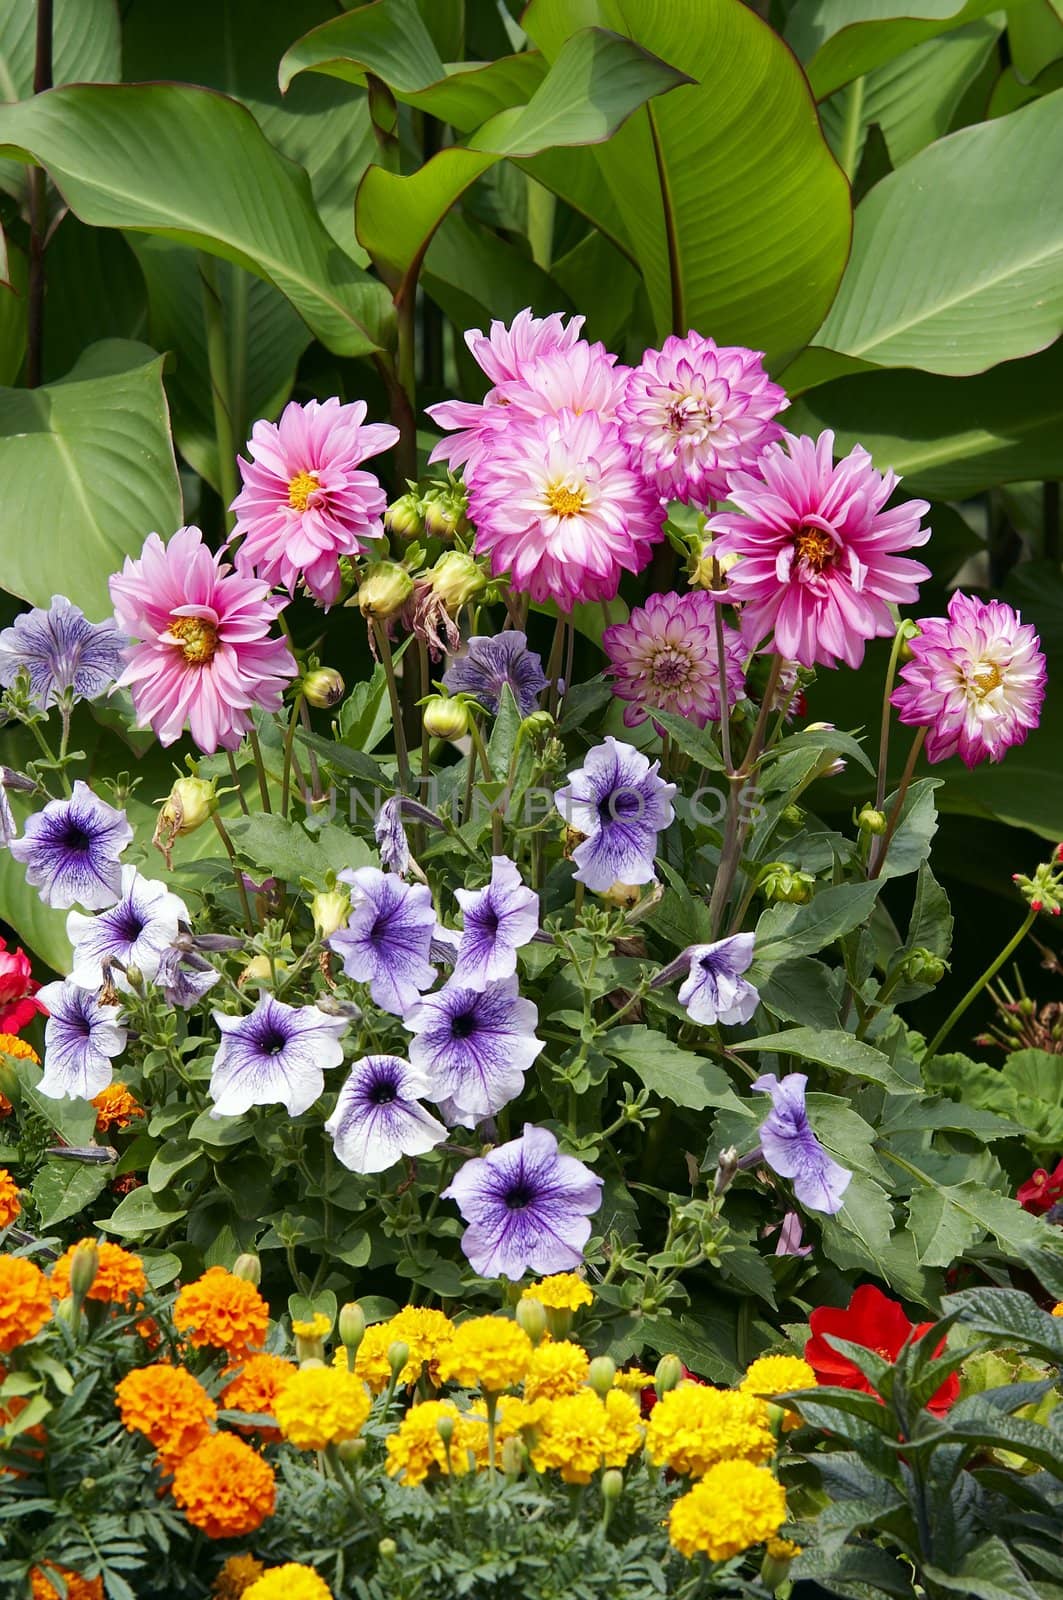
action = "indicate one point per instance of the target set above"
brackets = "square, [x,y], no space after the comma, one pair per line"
[84,1265]
[668,1373]
[403,516]
[513,1456]
[248,1267]
[351,1325]
[531,1316]
[445,718]
[351,1451]
[445,1428]
[384,590]
[455,579]
[601,1374]
[872,821]
[612,1484]
[322,688]
[330,910]
[387,1549]
[398,1355]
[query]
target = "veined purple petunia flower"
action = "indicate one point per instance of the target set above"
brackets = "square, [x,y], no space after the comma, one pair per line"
[391,837]
[620,803]
[184,976]
[792,1150]
[474,1046]
[388,937]
[81,1038]
[498,920]
[133,933]
[70,851]
[715,990]
[488,663]
[379,1118]
[277,1055]
[62,651]
[526,1206]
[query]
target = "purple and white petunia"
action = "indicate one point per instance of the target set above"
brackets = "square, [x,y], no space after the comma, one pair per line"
[276,1055]
[71,851]
[133,933]
[63,652]
[526,1206]
[715,990]
[81,1038]
[388,937]
[488,663]
[474,1046]
[8,827]
[379,1118]
[792,1150]
[391,838]
[620,803]
[498,920]
[184,976]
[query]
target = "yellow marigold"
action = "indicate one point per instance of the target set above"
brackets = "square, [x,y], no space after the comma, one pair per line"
[223,1311]
[290,1582]
[77,1587]
[225,1488]
[116,1107]
[693,1427]
[513,1416]
[1057,1310]
[319,1406]
[254,1388]
[570,1437]
[735,1505]
[563,1291]
[488,1353]
[783,1549]
[119,1278]
[12,1045]
[236,1577]
[10,1201]
[624,1430]
[416,1447]
[25,1301]
[632,1380]
[771,1375]
[557,1368]
[424,1332]
[316,1328]
[169,1406]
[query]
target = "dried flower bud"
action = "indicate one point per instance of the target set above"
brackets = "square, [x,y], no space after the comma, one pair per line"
[872,821]
[248,1267]
[188,805]
[726,1168]
[531,1316]
[384,590]
[445,718]
[667,1375]
[330,910]
[322,688]
[455,579]
[601,1375]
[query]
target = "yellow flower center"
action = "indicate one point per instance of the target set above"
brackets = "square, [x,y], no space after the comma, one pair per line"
[197,637]
[301,487]
[815,548]
[986,677]
[564,501]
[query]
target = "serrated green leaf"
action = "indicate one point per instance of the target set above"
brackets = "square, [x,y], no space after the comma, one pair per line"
[832,1048]
[61,1189]
[786,931]
[666,1070]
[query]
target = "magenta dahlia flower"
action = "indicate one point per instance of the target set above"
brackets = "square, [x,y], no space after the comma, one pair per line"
[561,511]
[201,653]
[819,564]
[976,681]
[693,412]
[305,502]
[664,658]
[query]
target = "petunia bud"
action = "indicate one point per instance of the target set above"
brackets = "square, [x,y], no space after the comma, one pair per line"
[601,1375]
[455,579]
[249,1268]
[384,590]
[872,821]
[445,718]
[330,910]
[403,517]
[84,1265]
[531,1316]
[726,1168]
[668,1373]
[322,688]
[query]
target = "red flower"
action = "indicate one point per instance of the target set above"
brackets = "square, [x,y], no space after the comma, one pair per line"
[17,989]
[1041,1191]
[878,1323]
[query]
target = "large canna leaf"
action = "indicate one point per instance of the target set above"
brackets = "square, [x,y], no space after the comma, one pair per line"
[840,40]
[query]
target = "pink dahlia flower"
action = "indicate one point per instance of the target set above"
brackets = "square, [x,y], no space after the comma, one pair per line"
[561,511]
[305,502]
[201,652]
[975,682]
[819,563]
[694,412]
[664,658]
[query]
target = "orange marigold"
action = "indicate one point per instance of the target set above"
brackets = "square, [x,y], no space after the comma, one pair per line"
[25,1301]
[222,1311]
[12,1045]
[77,1587]
[225,1488]
[169,1406]
[116,1107]
[254,1387]
[119,1277]
[10,1202]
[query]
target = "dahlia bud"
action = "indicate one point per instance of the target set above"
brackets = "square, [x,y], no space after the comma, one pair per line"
[779,881]
[872,821]
[536,723]
[531,1316]
[445,718]
[455,579]
[403,517]
[249,1268]
[443,508]
[668,1373]
[84,1265]
[188,805]
[601,1375]
[612,1484]
[330,910]
[384,590]
[322,688]
[923,966]
[351,1326]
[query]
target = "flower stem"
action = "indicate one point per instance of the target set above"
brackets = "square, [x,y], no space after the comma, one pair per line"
[883,840]
[402,758]
[884,735]
[260,768]
[50,756]
[235,776]
[735,829]
[237,874]
[979,984]
[725,699]
[289,742]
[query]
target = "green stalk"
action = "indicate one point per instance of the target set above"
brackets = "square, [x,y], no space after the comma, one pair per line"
[882,841]
[850,139]
[884,735]
[289,743]
[260,768]
[402,758]
[979,984]
[237,874]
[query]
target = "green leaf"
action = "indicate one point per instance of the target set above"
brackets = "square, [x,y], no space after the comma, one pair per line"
[662,1067]
[800,991]
[931,921]
[170,1160]
[910,845]
[858,1236]
[839,40]
[88,472]
[73,1120]
[194,166]
[691,740]
[39,927]
[1012,1317]
[721,237]
[786,931]
[988,1572]
[304,1308]
[290,851]
[142,1212]
[63,1188]
[941,1215]
[832,1048]
[365,715]
[988,288]
[858,1572]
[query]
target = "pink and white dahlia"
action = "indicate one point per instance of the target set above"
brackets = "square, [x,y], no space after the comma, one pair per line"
[201,654]
[694,412]
[664,658]
[819,564]
[561,511]
[305,502]
[976,681]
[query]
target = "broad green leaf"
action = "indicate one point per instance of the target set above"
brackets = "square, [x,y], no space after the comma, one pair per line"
[942,1231]
[662,1067]
[839,40]
[800,991]
[988,1572]
[73,1120]
[1035,35]
[931,921]
[95,290]
[858,1236]
[195,167]
[987,288]
[786,931]
[474,274]
[63,1188]
[39,927]
[714,184]
[1011,1317]
[910,845]
[1010,91]
[831,1048]
[290,851]
[863,1571]
[88,472]
[941,1214]
[142,1212]
[170,1160]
